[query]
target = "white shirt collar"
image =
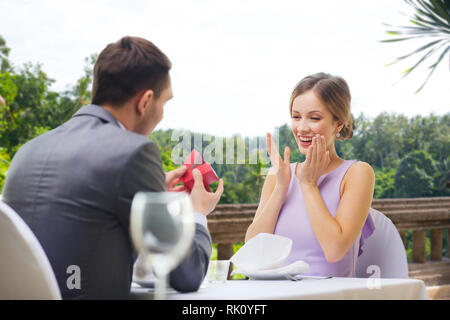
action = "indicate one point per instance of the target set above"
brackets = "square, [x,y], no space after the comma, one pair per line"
[121,125]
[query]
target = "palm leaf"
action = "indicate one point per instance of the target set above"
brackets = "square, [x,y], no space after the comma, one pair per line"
[417,51]
[408,38]
[433,67]
[426,55]
[430,20]
[438,9]
[429,24]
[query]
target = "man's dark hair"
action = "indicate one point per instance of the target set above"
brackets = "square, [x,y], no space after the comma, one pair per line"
[127,67]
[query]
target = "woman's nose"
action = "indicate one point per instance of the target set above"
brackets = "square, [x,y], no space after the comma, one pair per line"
[302,127]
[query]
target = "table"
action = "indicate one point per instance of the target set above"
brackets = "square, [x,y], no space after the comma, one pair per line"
[309,289]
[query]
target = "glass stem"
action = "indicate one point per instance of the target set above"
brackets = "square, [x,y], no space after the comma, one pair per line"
[161,286]
[161,272]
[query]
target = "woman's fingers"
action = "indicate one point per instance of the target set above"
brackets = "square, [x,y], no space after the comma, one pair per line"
[324,150]
[320,151]
[269,143]
[272,149]
[309,153]
[314,152]
[287,155]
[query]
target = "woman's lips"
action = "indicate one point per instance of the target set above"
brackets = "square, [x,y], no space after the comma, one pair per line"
[305,144]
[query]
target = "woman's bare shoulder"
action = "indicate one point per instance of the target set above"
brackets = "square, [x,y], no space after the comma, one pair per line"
[361,167]
[359,172]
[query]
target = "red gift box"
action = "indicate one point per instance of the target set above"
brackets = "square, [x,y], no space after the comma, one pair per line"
[195,161]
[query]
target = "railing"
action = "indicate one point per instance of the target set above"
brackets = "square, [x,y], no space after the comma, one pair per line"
[229,222]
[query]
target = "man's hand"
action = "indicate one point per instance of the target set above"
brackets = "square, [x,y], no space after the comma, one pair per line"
[203,201]
[173,178]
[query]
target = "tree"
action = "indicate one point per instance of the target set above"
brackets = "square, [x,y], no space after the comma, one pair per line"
[31,107]
[5,160]
[442,178]
[27,109]
[5,64]
[432,21]
[384,183]
[414,177]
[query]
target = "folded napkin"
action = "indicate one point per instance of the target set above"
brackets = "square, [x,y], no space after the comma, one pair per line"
[266,254]
[296,267]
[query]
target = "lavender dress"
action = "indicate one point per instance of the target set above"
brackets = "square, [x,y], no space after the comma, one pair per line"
[293,222]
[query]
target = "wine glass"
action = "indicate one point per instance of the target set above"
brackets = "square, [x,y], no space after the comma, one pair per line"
[162,228]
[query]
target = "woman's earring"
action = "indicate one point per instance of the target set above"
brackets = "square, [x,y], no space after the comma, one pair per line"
[338,135]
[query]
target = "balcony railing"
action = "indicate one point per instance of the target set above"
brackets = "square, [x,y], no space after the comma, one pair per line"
[229,222]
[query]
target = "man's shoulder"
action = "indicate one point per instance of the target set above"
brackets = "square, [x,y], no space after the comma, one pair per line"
[131,141]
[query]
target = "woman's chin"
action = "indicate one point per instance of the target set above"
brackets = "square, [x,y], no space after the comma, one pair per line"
[302,149]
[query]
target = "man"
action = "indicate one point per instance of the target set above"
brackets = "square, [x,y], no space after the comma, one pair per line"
[74,185]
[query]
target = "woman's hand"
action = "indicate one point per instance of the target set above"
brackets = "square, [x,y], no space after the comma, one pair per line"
[317,161]
[280,167]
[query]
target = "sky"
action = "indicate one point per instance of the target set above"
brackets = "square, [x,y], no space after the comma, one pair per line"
[235,62]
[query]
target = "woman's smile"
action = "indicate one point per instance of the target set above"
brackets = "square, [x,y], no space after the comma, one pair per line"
[305,141]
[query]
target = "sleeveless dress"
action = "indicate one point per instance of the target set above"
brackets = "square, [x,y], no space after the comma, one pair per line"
[293,222]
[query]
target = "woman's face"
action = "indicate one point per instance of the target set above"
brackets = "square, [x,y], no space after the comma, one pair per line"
[311,117]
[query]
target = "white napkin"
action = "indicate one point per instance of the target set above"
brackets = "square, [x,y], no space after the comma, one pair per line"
[296,267]
[265,254]
[264,251]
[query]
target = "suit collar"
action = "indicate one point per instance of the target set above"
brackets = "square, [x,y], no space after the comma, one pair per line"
[97,111]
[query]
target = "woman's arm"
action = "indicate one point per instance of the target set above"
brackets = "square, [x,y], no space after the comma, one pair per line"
[266,216]
[273,192]
[337,234]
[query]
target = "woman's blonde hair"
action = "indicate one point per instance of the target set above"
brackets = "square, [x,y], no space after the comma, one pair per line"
[334,93]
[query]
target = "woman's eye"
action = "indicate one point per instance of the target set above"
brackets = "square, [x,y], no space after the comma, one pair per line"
[315,118]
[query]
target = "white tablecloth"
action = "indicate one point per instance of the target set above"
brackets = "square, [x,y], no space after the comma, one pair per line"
[311,289]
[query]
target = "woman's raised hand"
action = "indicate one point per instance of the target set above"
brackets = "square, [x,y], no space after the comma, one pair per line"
[280,167]
[317,161]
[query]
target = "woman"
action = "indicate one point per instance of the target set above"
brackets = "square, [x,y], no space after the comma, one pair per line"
[322,204]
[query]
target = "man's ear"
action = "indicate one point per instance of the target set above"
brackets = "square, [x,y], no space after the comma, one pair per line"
[144,102]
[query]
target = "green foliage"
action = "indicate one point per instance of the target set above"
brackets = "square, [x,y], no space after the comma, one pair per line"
[384,183]
[31,107]
[5,64]
[431,21]
[4,165]
[8,89]
[414,176]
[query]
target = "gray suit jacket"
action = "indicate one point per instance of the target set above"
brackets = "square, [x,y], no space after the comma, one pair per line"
[74,186]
